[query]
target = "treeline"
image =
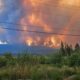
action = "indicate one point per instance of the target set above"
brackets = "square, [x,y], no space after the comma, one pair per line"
[68,50]
[62,65]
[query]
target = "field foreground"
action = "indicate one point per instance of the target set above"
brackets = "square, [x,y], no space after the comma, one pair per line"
[38,67]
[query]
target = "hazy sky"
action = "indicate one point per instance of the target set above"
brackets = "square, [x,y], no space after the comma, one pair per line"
[58,16]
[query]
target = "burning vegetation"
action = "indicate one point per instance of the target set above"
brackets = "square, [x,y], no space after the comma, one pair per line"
[43,16]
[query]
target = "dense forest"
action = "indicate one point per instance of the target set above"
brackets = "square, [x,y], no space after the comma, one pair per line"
[61,65]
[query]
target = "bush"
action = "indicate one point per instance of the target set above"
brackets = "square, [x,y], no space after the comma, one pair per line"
[68,72]
[74,60]
[55,74]
[46,73]
[3,62]
[56,59]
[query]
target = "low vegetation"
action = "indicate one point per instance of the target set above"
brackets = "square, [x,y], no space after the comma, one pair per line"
[62,65]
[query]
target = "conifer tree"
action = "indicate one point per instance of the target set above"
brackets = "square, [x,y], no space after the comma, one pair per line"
[77,47]
[62,49]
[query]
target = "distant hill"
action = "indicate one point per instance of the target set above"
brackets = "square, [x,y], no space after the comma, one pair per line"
[18,48]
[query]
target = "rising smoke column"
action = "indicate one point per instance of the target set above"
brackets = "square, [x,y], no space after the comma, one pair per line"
[72,8]
[58,16]
[37,19]
[49,16]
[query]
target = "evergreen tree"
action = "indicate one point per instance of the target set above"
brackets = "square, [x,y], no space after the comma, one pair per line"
[77,47]
[68,49]
[62,49]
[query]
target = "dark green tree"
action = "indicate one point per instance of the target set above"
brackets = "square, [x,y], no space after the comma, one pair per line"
[68,50]
[77,47]
[62,49]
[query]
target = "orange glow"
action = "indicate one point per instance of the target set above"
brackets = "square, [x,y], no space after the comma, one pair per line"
[68,3]
[35,3]
[29,41]
[37,21]
[70,25]
[51,42]
[36,17]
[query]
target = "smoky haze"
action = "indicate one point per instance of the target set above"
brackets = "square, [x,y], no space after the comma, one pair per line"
[58,16]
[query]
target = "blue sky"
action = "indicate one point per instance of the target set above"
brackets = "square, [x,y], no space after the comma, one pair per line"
[10,13]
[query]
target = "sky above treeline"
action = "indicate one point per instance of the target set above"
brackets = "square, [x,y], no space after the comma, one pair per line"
[57,16]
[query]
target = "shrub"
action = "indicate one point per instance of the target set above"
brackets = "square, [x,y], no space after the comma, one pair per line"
[56,59]
[74,60]
[3,62]
[46,73]
[67,71]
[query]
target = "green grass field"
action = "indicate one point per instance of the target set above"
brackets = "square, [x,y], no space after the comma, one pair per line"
[62,65]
